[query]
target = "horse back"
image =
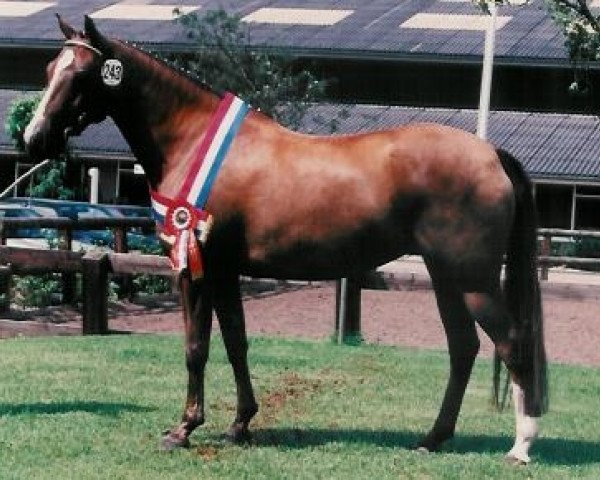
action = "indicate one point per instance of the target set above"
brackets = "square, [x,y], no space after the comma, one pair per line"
[316,207]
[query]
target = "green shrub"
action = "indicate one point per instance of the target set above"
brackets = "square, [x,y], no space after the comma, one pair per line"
[151,284]
[36,290]
[20,113]
[587,248]
[563,249]
[48,183]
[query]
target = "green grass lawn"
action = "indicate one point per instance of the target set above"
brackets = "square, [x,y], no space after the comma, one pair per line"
[94,407]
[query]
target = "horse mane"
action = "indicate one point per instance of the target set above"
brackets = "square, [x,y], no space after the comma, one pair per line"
[165,73]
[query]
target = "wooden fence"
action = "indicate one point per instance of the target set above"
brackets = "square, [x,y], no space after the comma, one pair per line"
[383,281]
[96,266]
[547,260]
[66,226]
[64,234]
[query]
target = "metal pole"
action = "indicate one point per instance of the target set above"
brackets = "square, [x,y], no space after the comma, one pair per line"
[18,180]
[16,184]
[486,74]
[94,174]
[343,307]
[118,183]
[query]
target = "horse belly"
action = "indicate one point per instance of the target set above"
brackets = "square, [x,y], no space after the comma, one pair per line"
[344,253]
[318,262]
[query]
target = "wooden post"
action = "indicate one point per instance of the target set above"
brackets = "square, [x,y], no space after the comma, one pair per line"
[2,233]
[65,242]
[120,234]
[5,281]
[5,277]
[120,246]
[545,251]
[95,266]
[347,303]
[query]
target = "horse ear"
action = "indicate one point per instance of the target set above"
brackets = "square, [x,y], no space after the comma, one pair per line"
[96,38]
[67,30]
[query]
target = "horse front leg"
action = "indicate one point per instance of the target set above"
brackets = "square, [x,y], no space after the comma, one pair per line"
[230,313]
[197,315]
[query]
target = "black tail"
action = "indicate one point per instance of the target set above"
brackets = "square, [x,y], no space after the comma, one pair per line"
[522,291]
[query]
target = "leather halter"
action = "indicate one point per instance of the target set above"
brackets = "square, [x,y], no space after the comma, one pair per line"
[81,43]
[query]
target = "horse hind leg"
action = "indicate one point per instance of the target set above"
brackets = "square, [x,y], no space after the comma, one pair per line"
[526,429]
[490,312]
[463,346]
[230,313]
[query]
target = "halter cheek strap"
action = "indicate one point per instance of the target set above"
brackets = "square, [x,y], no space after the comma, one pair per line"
[81,43]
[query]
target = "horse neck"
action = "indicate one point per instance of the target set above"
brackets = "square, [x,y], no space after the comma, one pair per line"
[160,114]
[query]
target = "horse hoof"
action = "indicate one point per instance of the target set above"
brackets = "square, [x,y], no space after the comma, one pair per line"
[519,462]
[172,442]
[239,434]
[427,445]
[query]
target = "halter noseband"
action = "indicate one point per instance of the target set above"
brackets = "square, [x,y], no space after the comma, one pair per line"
[80,43]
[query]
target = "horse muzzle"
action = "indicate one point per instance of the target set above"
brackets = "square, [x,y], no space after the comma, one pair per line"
[41,144]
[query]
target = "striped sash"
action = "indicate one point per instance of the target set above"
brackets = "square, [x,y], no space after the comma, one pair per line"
[184,222]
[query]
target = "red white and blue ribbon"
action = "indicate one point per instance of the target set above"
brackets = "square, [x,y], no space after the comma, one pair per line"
[185,223]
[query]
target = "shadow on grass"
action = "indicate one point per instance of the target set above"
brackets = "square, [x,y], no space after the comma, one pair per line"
[552,451]
[98,408]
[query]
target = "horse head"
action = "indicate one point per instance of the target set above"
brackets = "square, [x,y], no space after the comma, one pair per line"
[75,91]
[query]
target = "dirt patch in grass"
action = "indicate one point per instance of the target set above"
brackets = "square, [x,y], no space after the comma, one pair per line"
[292,388]
[208,453]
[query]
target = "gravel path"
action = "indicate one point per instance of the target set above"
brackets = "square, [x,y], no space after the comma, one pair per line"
[409,318]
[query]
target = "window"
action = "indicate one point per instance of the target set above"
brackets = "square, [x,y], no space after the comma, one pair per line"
[554,204]
[587,205]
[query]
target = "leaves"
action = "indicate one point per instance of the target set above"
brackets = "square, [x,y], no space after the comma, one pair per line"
[579,26]
[20,113]
[485,4]
[581,29]
[49,183]
[267,81]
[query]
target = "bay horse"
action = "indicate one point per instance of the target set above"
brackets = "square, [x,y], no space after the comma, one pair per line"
[293,206]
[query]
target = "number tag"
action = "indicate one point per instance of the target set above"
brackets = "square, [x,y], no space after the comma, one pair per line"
[112,72]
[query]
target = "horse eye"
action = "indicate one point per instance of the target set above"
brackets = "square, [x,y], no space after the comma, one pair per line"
[80,77]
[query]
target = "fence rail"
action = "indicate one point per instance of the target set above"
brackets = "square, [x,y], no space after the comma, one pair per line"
[66,226]
[96,266]
[54,262]
[546,260]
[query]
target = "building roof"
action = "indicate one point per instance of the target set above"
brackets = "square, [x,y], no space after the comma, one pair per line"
[556,147]
[414,28]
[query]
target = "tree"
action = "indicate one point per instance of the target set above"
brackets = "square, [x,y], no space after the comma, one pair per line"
[51,182]
[223,61]
[20,114]
[581,29]
[484,4]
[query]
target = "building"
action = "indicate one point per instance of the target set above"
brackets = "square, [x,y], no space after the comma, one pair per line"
[393,62]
